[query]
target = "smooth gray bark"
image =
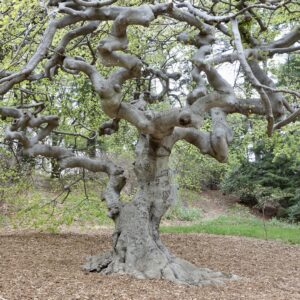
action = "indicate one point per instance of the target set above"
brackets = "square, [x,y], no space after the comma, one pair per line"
[137,247]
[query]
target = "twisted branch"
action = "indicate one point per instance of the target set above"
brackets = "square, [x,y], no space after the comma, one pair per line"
[66,158]
[113,52]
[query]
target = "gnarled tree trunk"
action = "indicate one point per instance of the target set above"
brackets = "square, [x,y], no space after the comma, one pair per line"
[137,247]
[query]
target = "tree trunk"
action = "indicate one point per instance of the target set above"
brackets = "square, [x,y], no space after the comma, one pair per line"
[137,247]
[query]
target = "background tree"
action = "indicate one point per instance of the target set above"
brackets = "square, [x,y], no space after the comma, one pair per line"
[124,79]
[266,173]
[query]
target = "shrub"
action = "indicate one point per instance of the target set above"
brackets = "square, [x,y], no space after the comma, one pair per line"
[267,182]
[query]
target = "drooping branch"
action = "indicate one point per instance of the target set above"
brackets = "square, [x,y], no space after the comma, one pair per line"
[250,76]
[277,100]
[287,40]
[7,82]
[221,135]
[202,140]
[80,65]
[211,18]
[66,158]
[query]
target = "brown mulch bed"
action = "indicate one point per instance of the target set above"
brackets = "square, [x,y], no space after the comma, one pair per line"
[47,266]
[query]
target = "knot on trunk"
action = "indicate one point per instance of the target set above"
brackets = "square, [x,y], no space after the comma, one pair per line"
[185,118]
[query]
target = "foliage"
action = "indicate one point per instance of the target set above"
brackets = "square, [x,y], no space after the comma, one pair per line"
[265,171]
[269,177]
[194,171]
[43,203]
[288,73]
[182,212]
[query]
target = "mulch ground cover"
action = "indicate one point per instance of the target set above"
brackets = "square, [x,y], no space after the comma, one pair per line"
[48,266]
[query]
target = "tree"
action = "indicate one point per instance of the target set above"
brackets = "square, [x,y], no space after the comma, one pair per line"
[269,180]
[242,34]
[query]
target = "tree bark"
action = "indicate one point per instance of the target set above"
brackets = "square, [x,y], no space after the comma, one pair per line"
[137,247]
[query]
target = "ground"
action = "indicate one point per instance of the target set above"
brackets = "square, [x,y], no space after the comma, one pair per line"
[47,266]
[214,203]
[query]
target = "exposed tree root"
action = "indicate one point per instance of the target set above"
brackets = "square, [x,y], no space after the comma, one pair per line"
[174,269]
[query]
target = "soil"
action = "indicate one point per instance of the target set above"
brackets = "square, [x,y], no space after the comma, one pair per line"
[48,266]
[214,203]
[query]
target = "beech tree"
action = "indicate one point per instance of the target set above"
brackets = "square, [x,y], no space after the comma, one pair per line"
[214,32]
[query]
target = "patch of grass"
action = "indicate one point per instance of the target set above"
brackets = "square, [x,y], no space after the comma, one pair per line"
[45,205]
[47,214]
[3,220]
[241,226]
[188,196]
[183,213]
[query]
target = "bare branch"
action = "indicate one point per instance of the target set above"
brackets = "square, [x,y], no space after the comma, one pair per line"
[248,72]
[8,82]
[72,134]
[290,119]
[287,40]
[209,18]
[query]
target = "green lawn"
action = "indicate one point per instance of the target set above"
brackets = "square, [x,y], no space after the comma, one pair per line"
[242,226]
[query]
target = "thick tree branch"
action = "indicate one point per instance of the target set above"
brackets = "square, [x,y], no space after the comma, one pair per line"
[287,40]
[96,4]
[202,140]
[277,100]
[59,52]
[293,117]
[258,53]
[221,135]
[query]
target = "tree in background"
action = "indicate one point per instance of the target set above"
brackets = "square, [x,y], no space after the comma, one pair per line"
[266,175]
[268,178]
[175,60]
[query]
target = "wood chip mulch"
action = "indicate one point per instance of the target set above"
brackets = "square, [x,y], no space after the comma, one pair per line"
[47,266]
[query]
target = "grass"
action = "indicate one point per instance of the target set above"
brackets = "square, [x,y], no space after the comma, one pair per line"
[48,208]
[242,226]
[179,212]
